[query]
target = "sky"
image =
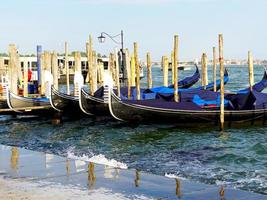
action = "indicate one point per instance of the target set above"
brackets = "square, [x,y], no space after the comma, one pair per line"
[151,23]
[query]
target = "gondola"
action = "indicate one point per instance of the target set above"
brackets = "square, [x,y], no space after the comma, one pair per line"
[187,82]
[64,103]
[210,86]
[95,105]
[28,105]
[260,86]
[246,107]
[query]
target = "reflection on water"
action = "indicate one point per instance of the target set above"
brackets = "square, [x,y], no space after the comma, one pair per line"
[111,173]
[91,175]
[178,188]
[137,178]
[67,167]
[79,165]
[221,193]
[14,158]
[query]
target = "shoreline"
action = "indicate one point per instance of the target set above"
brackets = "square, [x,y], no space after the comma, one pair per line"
[26,174]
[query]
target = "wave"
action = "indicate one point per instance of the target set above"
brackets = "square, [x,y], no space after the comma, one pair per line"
[174,176]
[98,159]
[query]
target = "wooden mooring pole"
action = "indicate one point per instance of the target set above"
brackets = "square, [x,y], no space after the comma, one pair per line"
[137,71]
[78,70]
[117,73]
[132,71]
[214,69]
[250,70]
[111,67]
[128,70]
[89,49]
[45,67]
[93,71]
[149,72]
[12,69]
[172,62]
[175,68]
[54,64]
[204,70]
[25,77]
[67,68]
[221,60]
[165,66]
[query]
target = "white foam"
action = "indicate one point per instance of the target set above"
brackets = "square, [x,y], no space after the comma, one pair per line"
[98,159]
[174,176]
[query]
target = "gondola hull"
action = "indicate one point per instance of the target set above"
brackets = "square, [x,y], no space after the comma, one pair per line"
[130,112]
[27,105]
[93,106]
[65,104]
[96,106]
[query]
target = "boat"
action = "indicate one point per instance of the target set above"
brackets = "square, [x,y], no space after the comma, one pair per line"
[260,86]
[64,103]
[239,108]
[28,105]
[189,81]
[152,92]
[95,105]
[200,106]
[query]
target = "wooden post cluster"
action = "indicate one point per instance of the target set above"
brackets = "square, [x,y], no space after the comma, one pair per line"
[221,60]
[214,69]
[12,68]
[25,77]
[149,72]
[66,63]
[165,68]
[175,70]
[250,70]
[204,63]
[137,72]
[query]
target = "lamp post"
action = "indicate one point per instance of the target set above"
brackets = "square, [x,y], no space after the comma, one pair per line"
[102,39]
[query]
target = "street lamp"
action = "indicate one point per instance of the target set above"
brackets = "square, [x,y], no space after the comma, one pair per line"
[102,39]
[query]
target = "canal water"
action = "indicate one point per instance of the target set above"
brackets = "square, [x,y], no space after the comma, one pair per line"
[236,158]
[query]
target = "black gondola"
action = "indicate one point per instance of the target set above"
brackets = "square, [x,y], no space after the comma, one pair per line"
[247,107]
[66,104]
[95,105]
[92,105]
[189,81]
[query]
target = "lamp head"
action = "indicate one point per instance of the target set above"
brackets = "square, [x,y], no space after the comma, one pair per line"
[101,38]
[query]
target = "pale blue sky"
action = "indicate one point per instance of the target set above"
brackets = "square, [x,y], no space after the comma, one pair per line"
[152,23]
